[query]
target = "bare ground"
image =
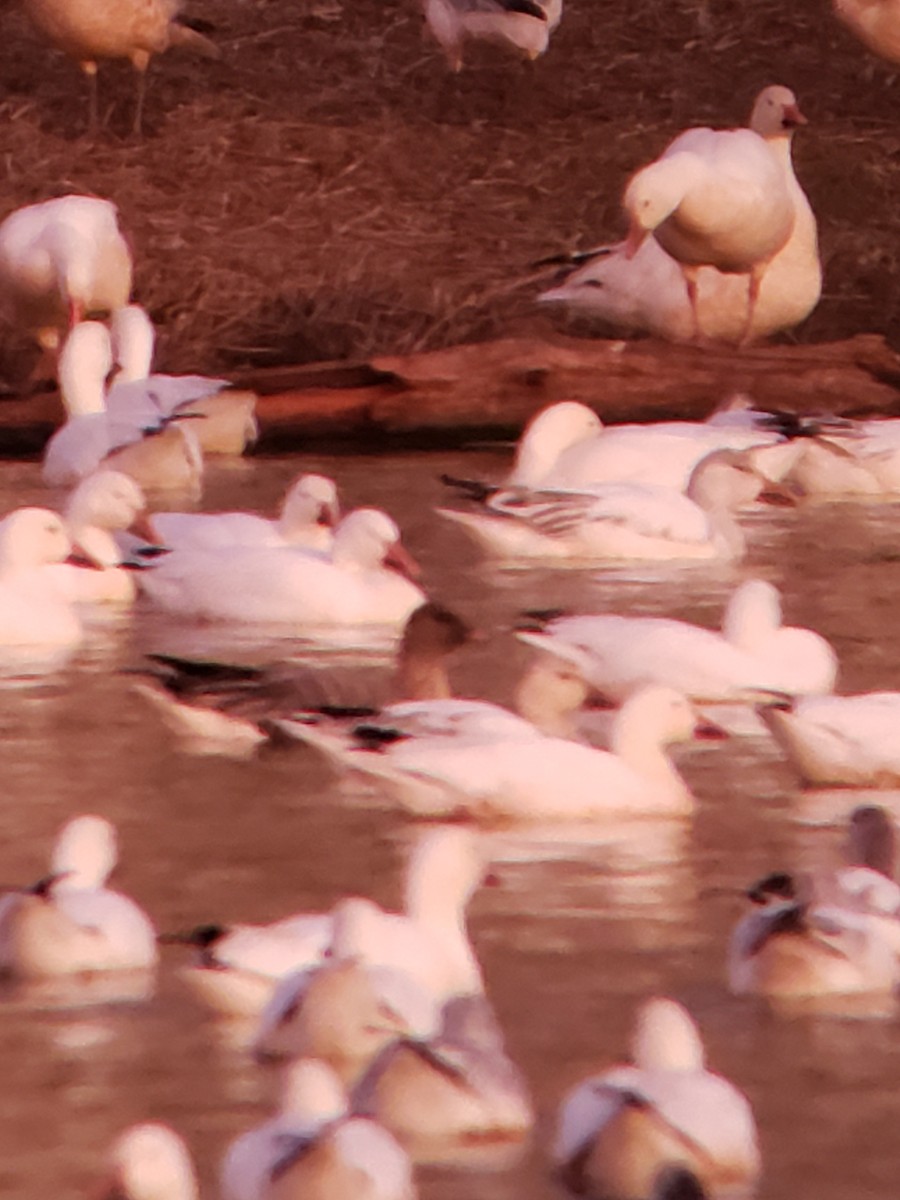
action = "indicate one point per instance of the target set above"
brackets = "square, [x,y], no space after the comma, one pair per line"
[328,190]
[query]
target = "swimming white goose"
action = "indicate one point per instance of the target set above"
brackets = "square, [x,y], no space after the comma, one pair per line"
[619,1131]
[844,740]
[715,198]
[149,1162]
[623,520]
[566,446]
[166,458]
[70,922]
[314,1147]
[860,461]
[214,708]
[646,292]
[226,420]
[754,652]
[455,756]
[875,22]
[35,618]
[361,583]
[526,25]
[103,504]
[309,513]
[239,967]
[87,32]
[61,260]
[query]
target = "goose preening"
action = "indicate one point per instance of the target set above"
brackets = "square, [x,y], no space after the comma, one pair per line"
[617,521]
[314,1147]
[363,581]
[91,30]
[754,652]
[36,619]
[526,25]
[102,505]
[482,760]
[166,457]
[60,261]
[70,922]
[852,741]
[225,417]
[215,708]
[618,1133]
[830,932]
[718,198]
[149,1162]
[875,22]
[646,292]
[859,461]
[238,968]
[309,513]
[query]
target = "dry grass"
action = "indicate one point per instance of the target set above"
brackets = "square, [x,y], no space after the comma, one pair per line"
[328,190]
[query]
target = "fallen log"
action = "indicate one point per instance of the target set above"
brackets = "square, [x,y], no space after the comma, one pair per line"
[490,389]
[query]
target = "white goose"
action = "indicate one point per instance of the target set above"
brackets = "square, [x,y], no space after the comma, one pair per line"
[853,741]
[104,503]
[717,198]
[226,421]
[61,260]
[620,1131]
[315,1147]
[478,758]
[646,292]
[35,618]
[308,515]
[526,25]
[623,520]
[70,922]
[168,458]
[567,447]
[239,967]
[149,1162]
[353,586]
[754,653]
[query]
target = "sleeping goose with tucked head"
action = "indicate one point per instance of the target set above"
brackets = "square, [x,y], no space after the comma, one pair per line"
[70,922]
[37,621]
[646,292]
[314,1147]
[620,1131]
[717,198]
[60,261]
[526,25]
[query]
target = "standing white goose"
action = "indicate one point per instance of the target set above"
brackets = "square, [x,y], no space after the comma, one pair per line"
[225,417]
[526,25]
[363,582]
[313,1147]
[646,292]
[168,458]
[61,260]
[717,198]
[619,1131]
[36,620]
[70,922]
[149,1162]
[754,652]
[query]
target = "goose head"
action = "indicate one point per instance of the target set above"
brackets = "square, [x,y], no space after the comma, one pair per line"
[133,339]
[310,501]
[776,113]
[431,634]
[753,615]
[725,479]
[85,853]
[367,539]
[312,1095]
[85,361]
[666,1038]
[656,716]
[104,503]
[31,537]
[150,1162]
[548,435]
[444,869]
[653,195]
[550,693]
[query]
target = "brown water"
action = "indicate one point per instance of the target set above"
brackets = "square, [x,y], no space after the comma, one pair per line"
[581,928]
